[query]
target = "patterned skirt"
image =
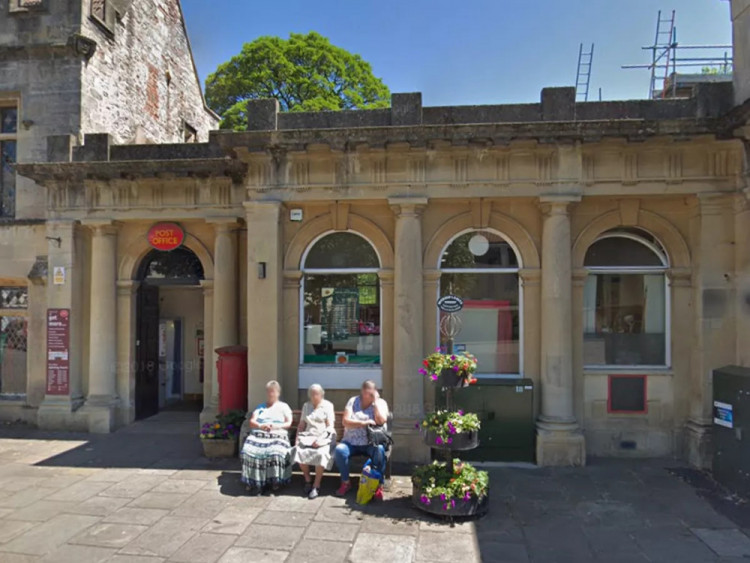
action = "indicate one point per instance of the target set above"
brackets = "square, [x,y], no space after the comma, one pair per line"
[266,459]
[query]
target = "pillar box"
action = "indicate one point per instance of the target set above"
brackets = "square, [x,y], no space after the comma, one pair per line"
[231,369]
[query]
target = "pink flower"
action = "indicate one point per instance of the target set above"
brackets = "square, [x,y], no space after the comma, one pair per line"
[439,441]
[424,499]
[434,377]
[453,503]
[423,371]
[443,497]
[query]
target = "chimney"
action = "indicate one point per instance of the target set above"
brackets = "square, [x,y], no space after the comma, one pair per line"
[741,50]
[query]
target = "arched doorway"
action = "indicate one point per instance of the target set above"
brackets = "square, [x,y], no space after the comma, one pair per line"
[169,330]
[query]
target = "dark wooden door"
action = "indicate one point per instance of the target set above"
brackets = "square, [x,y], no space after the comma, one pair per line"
[147,352]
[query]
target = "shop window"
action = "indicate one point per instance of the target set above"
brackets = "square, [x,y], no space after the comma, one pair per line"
[13,340]
[341,302]
[625,301]
[8,151]
[627,394]
[481,267]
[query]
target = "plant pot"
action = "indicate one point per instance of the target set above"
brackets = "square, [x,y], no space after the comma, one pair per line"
[449,378]
[460,442]
[220,448]
[473,507]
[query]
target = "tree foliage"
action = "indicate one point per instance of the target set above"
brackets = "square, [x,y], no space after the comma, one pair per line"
[304,73]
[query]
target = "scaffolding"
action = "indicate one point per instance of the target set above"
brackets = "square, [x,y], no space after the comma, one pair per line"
[668,56]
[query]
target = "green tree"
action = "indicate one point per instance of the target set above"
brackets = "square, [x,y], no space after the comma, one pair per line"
[304,73]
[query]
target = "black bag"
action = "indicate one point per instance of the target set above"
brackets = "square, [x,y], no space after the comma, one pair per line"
[379,436]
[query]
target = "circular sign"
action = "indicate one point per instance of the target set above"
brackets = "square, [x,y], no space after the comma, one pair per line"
[166,236]
[479,245]
[450,304]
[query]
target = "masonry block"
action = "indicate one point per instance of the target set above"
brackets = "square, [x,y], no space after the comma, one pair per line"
[95,148]
[558,104]
[60,148]
[406,109]
[263,115]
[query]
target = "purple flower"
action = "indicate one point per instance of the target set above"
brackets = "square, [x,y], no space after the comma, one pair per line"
[467,496]
[439,441]
[443,497]
[424,499]
[453,358]
[455,368]
[416,426]
[453,503]
[438,349]
[460,413]
[423,371]
[445,506]
[434,377]
[449,441]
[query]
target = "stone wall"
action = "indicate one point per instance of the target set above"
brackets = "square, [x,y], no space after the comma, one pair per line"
[140,86]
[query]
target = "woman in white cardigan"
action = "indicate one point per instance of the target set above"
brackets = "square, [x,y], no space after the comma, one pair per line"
[316,438]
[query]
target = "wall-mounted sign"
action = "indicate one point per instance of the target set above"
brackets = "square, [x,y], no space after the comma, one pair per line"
[450,304]
[295,215]
[58,351]
[723,414]
[58,275]
[166,236]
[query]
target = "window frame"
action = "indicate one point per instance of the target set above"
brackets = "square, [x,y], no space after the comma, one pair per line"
[659,251]
[348,376]
[10,103]
[17,312]
[490,271]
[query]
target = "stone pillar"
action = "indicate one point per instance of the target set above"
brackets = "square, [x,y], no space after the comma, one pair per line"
[559,439]
[715,323]
[102,398]
[210,383]
[386,327]
[225,295]
[742,272]
[291,336]
[531,283]
[430,293]
[126,330]
[408,348]
[264,296]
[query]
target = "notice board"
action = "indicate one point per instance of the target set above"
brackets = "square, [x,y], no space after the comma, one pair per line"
[58,351]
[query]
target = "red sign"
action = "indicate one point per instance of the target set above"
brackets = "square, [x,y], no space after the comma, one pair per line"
[166,236]
[58,351]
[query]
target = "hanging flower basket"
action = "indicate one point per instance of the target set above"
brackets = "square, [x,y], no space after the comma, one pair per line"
[460,491]
[458,442]
[450,370]
[450,430]
[475,506]
[449,378]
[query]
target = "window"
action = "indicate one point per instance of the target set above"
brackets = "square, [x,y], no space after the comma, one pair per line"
[341,302]
[103,14]
[13,340]
[8,146]
[189,134]
[178,266]
[482,268]
[625,301]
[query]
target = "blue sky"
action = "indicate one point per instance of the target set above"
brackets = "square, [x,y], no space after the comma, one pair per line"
[467,51]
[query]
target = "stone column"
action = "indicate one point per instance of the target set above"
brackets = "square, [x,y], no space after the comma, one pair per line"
[102,398]
[291,336]
[126,330]
[742,284]
[431,340]
[559,440]
[225,294]
[531,279]
[408,344]
[210,383]
[264,296]
[62,411]
[386,328]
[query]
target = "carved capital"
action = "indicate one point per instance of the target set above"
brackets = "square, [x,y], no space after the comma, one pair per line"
[407,206]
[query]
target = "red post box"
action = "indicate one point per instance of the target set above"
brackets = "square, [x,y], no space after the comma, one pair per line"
[231,368]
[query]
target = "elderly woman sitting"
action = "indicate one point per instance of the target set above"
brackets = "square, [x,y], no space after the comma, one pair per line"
[316,438]
[266,454]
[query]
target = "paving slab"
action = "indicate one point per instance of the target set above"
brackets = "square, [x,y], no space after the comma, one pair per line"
[248,554]
[49,535]
[320,551]
[233,520]
[133,486]
[165,537]
[331,531]
[10,529]
[41,510]
[726,543]
[183,486]
[284,518]
[105,534]
[98,506]
[270,537]
[78,554]
[159,500]
[445,546]
[130,515]
[382,548]
[203,548]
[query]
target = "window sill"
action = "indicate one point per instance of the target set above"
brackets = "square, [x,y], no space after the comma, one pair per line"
[339,377]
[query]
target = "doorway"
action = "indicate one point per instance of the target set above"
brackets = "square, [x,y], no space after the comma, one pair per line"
[169,330]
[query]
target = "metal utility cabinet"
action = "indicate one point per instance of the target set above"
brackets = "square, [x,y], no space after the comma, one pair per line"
[731,414]
[506,409]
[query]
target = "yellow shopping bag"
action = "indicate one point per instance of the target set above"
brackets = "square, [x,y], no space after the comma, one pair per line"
[368,483]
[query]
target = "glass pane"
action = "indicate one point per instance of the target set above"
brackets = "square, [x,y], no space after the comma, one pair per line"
[489,319]
[620,251]
[178,265]
[342,250]
[9,117]
[342,319]
[479,249]
[7,178]
[13,337]
[624,320]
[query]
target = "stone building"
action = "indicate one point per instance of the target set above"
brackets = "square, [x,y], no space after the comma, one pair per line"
[602,250]
[72,68]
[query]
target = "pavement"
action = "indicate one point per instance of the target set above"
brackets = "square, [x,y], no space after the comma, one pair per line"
[145,494]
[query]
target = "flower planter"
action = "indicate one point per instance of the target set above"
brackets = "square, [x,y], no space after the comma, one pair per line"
[450,378]
[472,507]
[460,442]
[220,448]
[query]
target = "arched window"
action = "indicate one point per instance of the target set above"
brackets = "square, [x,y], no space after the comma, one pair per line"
[625,301]
[481,267]
[341,302]
[178,266]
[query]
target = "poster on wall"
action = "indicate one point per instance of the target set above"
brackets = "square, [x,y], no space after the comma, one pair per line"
[58,351]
